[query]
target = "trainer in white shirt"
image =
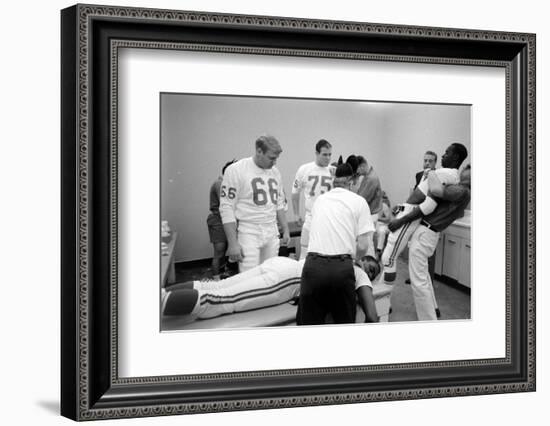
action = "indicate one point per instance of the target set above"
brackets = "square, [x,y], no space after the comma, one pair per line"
[341,225]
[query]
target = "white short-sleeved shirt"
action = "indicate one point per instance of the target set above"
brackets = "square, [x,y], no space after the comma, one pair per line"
[314,180]
[250,193]
[338,218]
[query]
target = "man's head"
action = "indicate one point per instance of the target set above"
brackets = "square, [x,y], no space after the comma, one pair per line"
[362,165]
[323,152]
[371,266]
[353,162]
[430,160]
[342,176]
[466,176]
[268,150]
[454,155]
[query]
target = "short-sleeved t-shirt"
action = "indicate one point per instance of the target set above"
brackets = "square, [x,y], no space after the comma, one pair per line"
[338,218]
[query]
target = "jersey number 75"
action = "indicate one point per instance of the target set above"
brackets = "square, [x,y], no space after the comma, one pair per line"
[325,181]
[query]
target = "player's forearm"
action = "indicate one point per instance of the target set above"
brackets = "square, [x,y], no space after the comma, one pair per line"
[454,193]
[296,204]
[281,218]
[363,242]
[230,230]
[398,223]
[366,301]
[414,214]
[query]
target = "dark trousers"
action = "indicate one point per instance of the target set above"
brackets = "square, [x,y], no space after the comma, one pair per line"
[327,286]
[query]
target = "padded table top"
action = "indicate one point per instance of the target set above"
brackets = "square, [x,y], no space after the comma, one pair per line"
[278,315]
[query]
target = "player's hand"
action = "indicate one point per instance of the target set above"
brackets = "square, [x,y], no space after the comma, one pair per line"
[285,240]
[235,253]
[394,225]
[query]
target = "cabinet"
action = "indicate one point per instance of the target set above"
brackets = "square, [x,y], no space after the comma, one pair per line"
[453,254]
[438,269]
[464,269]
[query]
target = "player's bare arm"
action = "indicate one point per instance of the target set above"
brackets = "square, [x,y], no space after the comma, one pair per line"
[366,301]
[398,223]
[234,249]
[296,208]
[365,298]
[281,218]
[416,197]
[363,242]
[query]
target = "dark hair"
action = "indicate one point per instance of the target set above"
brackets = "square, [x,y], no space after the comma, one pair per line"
[431,153]
[227,165]
[361,160]
[460,151]
[322,144]
[368,257]
[353,162]
[343,170]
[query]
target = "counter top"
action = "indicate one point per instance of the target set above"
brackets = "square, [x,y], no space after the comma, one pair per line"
[465,221]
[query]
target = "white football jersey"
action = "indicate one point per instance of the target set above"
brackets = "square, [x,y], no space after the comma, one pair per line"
[314,180]
[250,193]
[445,175]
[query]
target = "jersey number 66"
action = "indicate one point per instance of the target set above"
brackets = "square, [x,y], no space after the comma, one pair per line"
[260,192]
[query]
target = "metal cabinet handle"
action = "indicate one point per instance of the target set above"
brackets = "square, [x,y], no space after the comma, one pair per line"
[451,241]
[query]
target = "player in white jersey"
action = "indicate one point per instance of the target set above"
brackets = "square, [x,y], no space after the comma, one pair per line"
[399,236]
[251,202]
[313,179]
[275,281]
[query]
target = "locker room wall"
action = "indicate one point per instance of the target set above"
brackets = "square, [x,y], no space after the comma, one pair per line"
[200,133]
[411,130]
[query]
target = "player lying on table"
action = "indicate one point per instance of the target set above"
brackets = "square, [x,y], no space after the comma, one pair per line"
[451,160]
[275,281]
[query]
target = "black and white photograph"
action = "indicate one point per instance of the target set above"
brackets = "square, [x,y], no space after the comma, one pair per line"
[284,212]
[268,212]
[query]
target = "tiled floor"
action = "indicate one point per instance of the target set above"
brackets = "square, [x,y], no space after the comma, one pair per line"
[453,301]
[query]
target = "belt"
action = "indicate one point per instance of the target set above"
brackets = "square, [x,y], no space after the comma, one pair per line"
[332,256]
[428,225]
